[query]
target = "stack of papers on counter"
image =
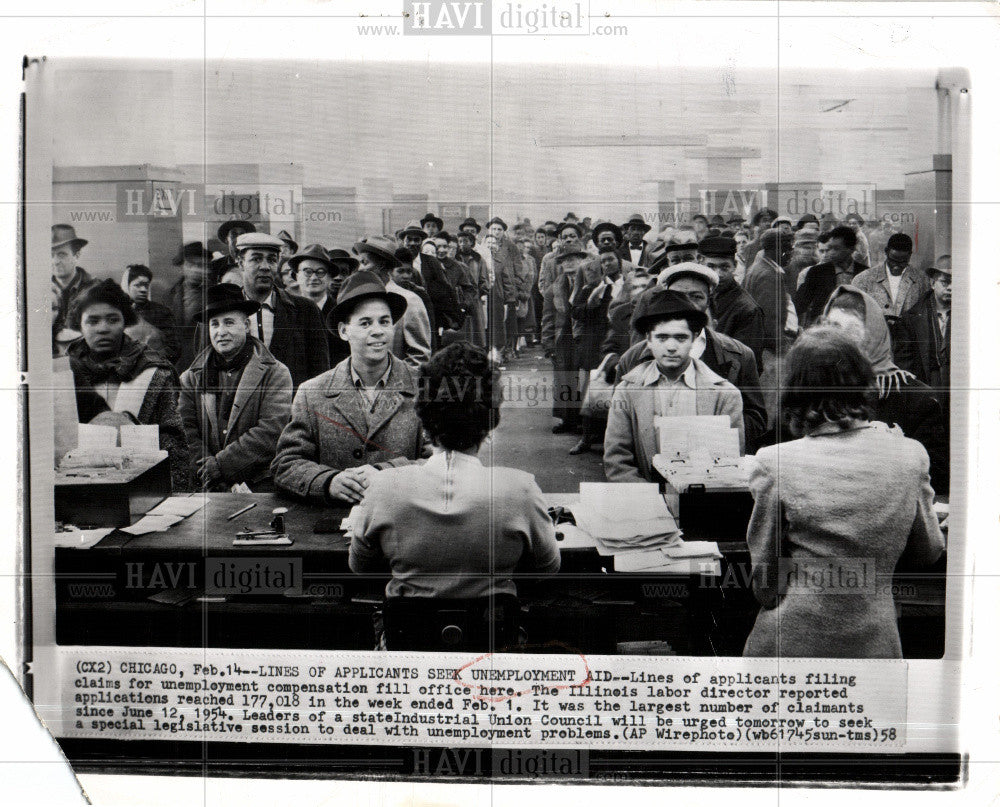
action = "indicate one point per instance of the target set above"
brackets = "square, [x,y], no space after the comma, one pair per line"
[683,557]
[628,516]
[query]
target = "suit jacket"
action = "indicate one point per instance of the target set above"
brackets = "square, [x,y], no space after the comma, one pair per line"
[859,498]
[920,348]
[331,429]
[814,292]
[245,445]
[446,311]
[411,336]
[452,528]
[630,439]
[626,254]
[737,315]
[730,360]
[912,286]
[299,340]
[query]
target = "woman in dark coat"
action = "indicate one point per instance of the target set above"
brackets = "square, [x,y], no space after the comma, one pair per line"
[120,381]
[834,511]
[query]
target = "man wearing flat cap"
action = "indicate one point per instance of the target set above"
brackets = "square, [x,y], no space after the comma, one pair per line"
[359,417]
[67,276]
[288,325]
[235,399]
[736,313]
[671,383]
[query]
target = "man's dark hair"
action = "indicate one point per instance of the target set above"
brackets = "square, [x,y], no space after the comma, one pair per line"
[845,235]
[827,380]
[609,249]
[459,396]
[693,320]
[701,216]
[136,270]
[900,241]
[823,238]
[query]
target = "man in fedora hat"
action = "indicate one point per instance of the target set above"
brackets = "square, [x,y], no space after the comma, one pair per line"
[635,229]
[445,312]
[470,225]
[344,263]
[67,275]
[228,233]
[922,341]
[288,325]
[290,245]
[671,383]
[431,224]
[186,298]
[315,273]
[359,417]
[411,339]
[235,399]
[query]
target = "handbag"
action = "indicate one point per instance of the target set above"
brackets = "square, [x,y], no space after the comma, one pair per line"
[597,400]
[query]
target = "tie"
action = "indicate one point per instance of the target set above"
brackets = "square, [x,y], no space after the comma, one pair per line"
[260,324]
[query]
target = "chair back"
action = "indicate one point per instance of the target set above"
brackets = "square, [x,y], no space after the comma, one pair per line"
[482,625]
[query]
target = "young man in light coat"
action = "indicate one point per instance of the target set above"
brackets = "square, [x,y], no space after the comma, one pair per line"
[234,399]
[670,384]
[359,417]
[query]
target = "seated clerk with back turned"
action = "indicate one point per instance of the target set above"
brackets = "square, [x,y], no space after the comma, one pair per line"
[453,528]
[359,417]
[235,398]
[722,354]
[671,383]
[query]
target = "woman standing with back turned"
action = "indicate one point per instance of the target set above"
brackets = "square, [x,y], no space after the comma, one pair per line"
[834,511]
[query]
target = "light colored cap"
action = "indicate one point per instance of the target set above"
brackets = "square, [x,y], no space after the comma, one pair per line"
[668,275]
[258,241]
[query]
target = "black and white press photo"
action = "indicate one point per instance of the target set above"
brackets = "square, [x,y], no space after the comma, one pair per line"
[436,410]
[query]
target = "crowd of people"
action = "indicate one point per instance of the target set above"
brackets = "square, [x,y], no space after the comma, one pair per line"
[307,370]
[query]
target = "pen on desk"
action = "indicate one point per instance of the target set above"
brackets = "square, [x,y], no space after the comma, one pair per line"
[241,511]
